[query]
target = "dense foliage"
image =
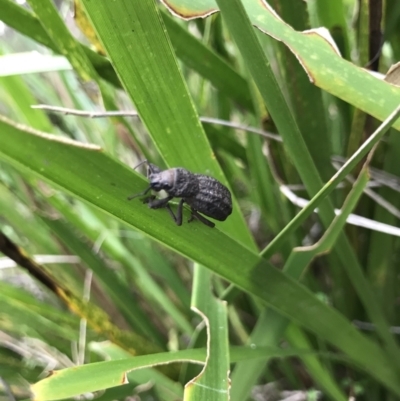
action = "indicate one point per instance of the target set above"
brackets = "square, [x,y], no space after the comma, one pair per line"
[281,297]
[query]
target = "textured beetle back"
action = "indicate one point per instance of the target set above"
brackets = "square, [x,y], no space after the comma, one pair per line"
[213,199]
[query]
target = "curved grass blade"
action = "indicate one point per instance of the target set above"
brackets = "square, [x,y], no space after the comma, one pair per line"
[91,175]
[141,54]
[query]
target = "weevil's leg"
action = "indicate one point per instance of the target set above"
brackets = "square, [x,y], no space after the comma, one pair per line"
[139,194]
[168,207]
[179,213]
[159,203]
[148,199]
[198,216]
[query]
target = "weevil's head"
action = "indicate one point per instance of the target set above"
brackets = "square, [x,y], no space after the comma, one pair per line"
[158,179]
[161,180]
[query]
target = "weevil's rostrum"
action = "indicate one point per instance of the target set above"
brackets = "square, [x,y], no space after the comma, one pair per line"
[202,193]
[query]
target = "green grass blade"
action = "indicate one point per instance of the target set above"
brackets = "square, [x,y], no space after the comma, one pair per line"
[208,64]
[318,371]
[246,374]
[212,383]
[142,57]
[118,291]
[60,35]
[333,182]
[101,375]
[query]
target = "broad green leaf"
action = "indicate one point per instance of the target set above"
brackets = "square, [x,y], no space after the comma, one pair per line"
[141,54]
[90,174]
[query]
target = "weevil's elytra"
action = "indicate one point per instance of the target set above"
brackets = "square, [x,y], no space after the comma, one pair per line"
[213,199]
[202,193]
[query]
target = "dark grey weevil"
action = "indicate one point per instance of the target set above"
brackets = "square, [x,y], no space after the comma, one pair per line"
[202,193]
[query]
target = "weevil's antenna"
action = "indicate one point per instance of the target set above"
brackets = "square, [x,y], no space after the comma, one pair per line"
[149,166]
[139,194]
[142,162]
[146,190]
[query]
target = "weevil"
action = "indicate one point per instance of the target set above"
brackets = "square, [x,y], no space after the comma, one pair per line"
[202,193]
